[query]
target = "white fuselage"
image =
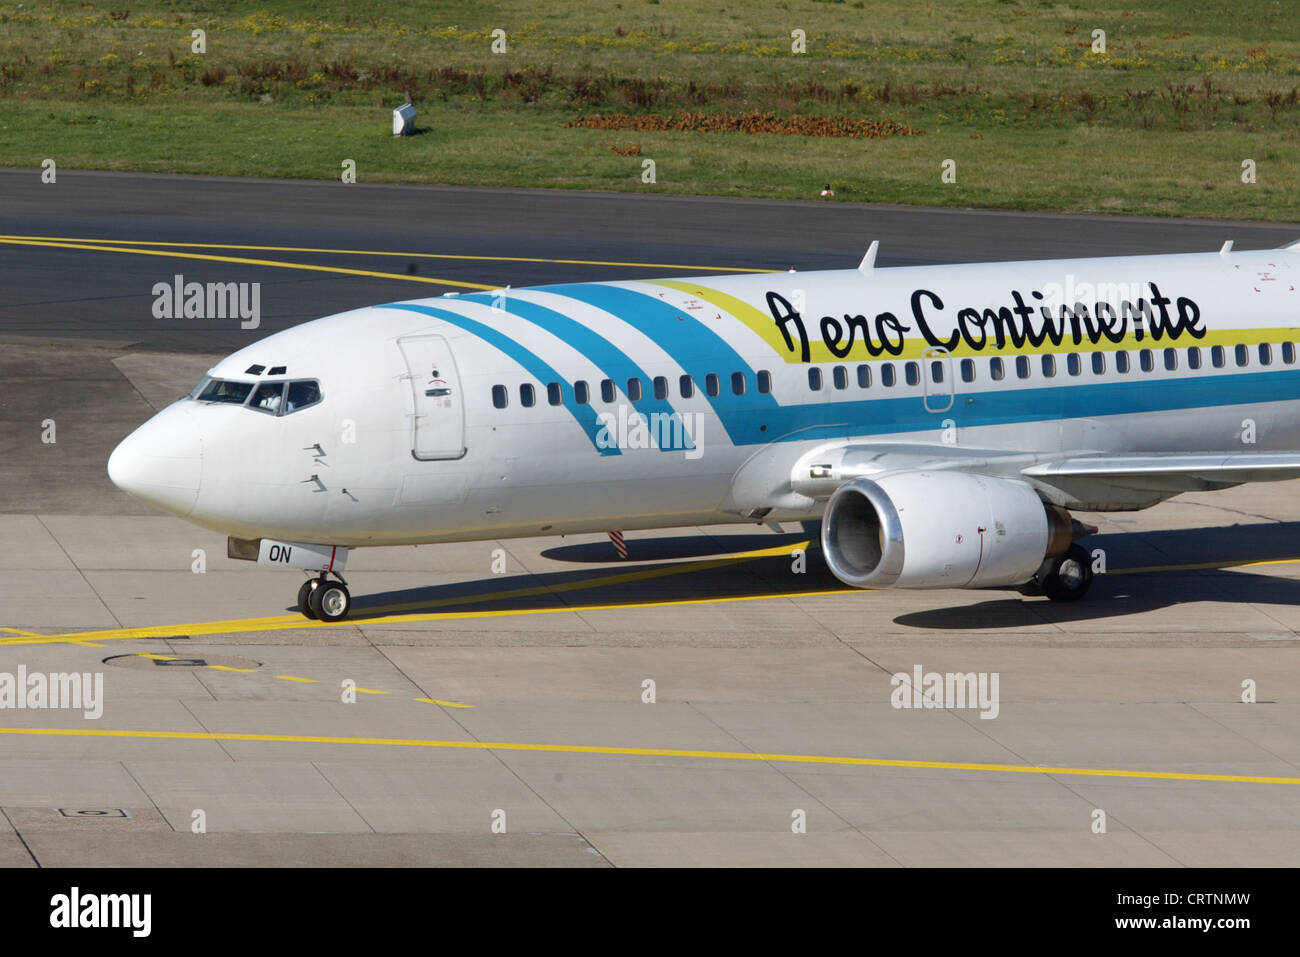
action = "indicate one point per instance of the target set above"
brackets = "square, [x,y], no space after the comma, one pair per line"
[424,432]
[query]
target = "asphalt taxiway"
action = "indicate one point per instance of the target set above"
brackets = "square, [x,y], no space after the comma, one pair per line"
[468,717]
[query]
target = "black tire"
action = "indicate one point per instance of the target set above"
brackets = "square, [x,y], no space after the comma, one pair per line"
[331,601]
[304,597]
[1071,575]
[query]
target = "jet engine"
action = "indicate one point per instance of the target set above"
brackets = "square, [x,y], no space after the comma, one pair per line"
[941,529]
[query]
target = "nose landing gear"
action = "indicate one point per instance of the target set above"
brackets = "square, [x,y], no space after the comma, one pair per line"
[325,600]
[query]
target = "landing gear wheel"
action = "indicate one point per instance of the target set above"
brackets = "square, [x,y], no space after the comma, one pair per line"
[304,597]
[1070,575]
[330,601]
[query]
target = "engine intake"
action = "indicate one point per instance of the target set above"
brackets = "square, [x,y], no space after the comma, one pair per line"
[940,529]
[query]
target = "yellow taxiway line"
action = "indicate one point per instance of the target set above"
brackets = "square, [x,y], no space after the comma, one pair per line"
[646,753]
[287,622]
[399,255]
[240,260]
[295,678]
[393,614]
[397,614]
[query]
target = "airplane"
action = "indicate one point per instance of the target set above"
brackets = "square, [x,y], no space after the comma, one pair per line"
[942,422]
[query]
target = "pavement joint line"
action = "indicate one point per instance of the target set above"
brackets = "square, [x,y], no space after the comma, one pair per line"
[220,736]
[289,622]
[240,260]
[373,252]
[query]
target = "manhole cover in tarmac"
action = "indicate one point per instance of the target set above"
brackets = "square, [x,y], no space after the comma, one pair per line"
[149,662]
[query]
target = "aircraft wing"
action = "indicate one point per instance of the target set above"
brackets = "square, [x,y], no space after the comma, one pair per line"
[1168,473]
[1083,480]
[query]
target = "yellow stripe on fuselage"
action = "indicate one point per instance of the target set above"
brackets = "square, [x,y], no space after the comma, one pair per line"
[765,327]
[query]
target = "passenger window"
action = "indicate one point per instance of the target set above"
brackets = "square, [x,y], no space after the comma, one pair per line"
[814,378]
[1171,359]
[527,396]
[1074,363]
[887,378]
[1099,363]
[764,381]
[499,397]
[661,387]
[1146,360]
[606,390]
[581,394]
[967,370]
[912,372]
[268,397]
[936,370]
[554,394]
[1193,357]
[301,394]
[1288,353]
[737,383]
[686,386]
[1265,354]
[996,370]
[1022,367]
[1121,362]
[1242,355]
[634,389]
[1217,358]
[1049,366]
[711,384]
[864,376]
[840,376]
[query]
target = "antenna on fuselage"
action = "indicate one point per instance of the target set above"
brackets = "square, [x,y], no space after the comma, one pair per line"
[869,260]
[1226,248]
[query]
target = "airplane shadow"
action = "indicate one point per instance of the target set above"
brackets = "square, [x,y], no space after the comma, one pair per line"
[661,570]
[1145,571]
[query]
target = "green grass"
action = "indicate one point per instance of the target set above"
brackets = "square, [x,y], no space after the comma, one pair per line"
[1010,91]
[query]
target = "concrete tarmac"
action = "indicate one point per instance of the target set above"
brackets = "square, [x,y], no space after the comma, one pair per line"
[518,702]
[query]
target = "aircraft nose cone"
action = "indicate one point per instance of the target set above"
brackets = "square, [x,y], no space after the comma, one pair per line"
[162,461]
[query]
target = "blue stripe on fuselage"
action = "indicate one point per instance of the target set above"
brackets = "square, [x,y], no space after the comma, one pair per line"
[537,368]
[611,360]
[687,341]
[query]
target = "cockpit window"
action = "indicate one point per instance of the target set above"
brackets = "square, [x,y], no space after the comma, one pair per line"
[268,397]
[302,393]
[223,390]
[273,398]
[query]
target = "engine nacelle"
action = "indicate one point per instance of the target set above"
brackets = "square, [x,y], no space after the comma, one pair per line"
[940,530]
